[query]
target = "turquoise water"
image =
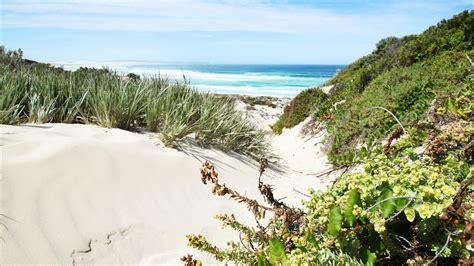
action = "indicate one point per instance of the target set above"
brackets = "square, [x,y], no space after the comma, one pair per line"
[270,80]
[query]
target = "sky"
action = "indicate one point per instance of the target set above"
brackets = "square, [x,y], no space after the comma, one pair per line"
[211,31]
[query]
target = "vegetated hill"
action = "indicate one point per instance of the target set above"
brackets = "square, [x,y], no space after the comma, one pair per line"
[403,75]
[404,205]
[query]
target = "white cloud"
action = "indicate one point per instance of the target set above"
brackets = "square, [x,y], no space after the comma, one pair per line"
[433,5]
[275,16]
[198,15]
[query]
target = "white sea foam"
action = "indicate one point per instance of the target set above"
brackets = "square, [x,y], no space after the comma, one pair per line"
[250,83]
[190,74]
[264,91]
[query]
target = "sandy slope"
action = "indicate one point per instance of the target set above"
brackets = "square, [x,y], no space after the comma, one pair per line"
[303,158]
[263,116]
[85,194]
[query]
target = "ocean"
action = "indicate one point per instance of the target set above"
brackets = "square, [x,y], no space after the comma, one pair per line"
[268,80]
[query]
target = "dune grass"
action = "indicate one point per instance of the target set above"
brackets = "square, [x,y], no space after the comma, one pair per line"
[40,93]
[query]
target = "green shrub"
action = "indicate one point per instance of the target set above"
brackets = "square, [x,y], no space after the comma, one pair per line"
[407,92]
[406,207]
[403,75]
[303,105]
[416,191]
[402,208]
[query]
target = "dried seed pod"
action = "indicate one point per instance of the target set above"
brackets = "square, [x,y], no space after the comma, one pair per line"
[190,261]
[444,217]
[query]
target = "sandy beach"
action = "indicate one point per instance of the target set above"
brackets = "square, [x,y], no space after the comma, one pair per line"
[83,194]
[236,133]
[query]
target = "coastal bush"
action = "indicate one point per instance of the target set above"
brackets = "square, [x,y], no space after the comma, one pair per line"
[32,92]
[403,75]
[404,207]
[411,204]
[407,92]
[301,107]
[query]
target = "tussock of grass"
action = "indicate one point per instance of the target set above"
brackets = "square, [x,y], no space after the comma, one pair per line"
[116,103]
[39,93]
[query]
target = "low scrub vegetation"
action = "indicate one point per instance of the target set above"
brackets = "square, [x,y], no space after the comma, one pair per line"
[404,75]
[410,200]
[405,207]
[31,92]
[407,92]
[302,106]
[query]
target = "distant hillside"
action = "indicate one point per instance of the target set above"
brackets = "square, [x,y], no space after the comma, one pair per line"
[403,75]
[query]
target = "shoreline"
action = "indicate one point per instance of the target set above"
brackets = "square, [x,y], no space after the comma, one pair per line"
[279,83]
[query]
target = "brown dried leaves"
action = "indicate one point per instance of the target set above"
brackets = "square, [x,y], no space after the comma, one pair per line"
[209,174]
[189,261]
[280,209]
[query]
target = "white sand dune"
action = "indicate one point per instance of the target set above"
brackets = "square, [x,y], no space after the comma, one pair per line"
[303,160]
[262,116]
[82,194]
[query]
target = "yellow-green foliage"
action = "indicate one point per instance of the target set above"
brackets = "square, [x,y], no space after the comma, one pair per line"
[395,210]
[406,206]
[390,211]
[424,190]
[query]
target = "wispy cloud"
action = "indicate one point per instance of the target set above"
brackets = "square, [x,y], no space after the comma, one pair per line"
[225,31]
[197,15]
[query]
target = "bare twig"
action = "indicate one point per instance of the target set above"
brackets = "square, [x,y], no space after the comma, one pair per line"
[304,194]
[242,242]
[441,250]
[461,194]
[280,209]
[262,233]
[470,61]
[282,198]
[396,119]
[387,199]
[400,238]
[403,208]
[338,103]
[325,172]
[7,217]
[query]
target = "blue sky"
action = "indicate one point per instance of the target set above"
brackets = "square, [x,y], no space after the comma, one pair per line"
[211,31]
